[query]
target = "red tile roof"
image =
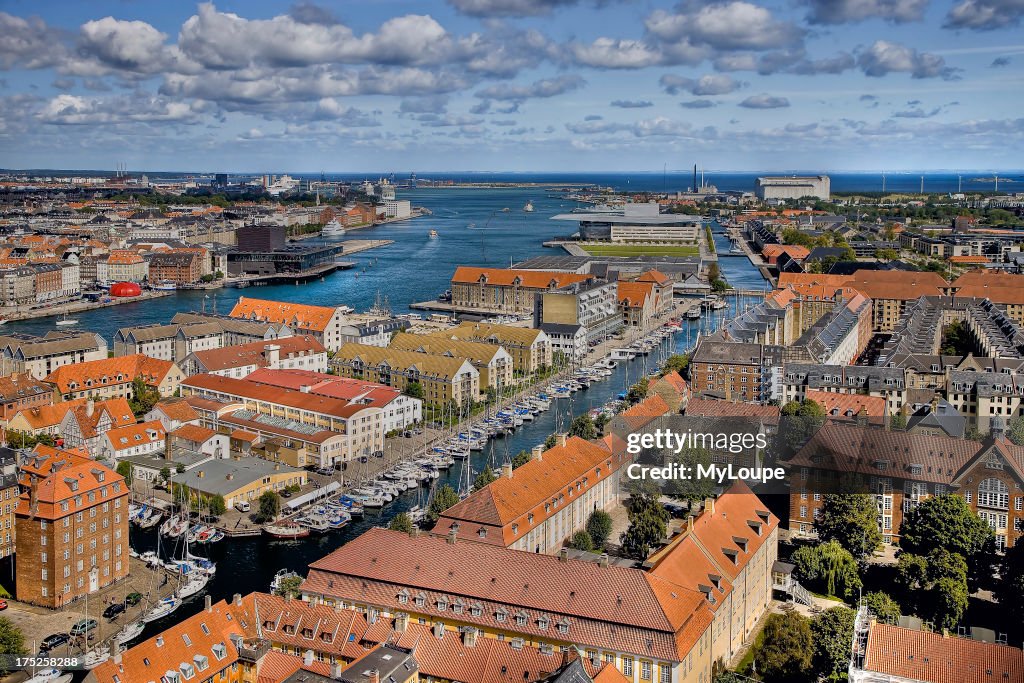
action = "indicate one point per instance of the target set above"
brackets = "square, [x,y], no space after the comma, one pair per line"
[532,279]
[109,372]
[931,657]
[255,353]
[296,316]
[848,406]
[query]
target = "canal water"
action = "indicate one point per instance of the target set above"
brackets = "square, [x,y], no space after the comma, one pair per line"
[473,229]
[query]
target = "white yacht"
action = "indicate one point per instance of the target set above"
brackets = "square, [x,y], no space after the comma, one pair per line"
[333,229]
[162,609]
[130,632]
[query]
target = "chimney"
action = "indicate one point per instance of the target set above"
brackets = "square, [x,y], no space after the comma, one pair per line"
[401,623]
[374,677]
[200,474]
[470,637]
[453,536]
[90,407]
[603,560]
[307,658]
[336,669]
[414,532]
[538,452]
[560,438]
[117,659]
[237,599]
[208,603]
[689,523]
[709,505]
[506,470]
[272,354]
[563,555]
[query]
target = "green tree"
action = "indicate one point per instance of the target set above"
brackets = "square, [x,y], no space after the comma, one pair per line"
[601,421]
[414,390]
[851,519]
[581,541]
[1011,582]
[883,607]
[832,633]
[216,505]
[1015,430]
[887,254]
[911,572]
[125,469]
[521,458]
[143,397]
[269,507]
[638,391]
[599,526]
[692,488]
[827,567]
[289,586]
[947,599]
[648,524]
[444,498]
[948,522]
[549,443]
[799,422]
[401,522]
[165,473]
[677,362]
[785,649]
[12,641]
[583,427]
[484,478]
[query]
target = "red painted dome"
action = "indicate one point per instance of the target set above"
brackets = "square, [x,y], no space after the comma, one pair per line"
[125,289]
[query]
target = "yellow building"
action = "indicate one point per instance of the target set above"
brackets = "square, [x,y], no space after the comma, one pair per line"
[442,378]
[530,348]
[492,361]
[239,479]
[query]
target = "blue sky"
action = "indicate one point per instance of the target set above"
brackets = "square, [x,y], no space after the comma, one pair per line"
[518,85]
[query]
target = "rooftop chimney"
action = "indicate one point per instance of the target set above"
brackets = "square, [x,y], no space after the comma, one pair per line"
[401,623]
[307,658]
[709,505]
[603,560]
[453,536]
[272,353]
[336,669]
[538,452]
[90,407]
[560,438]
[506,470]
[208,603]
[237,598]
[563,555]
[374,677]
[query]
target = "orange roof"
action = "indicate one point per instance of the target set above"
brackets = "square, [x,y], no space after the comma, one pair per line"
[655,276]
[193,433]
[177,409]
[533,279]
[124,257]
[988,278]
[848,406]
[932,657]
[969,259]
[203,634]
[216,385]
[675,380]
[645,411]
[255,353]
[136,435]
[117,411]
[41,417]
[634,294]
[62,475]
[296,316]
[795,251]
[787,279]
[536,489]
[704,407]
[109,372]
[875,284]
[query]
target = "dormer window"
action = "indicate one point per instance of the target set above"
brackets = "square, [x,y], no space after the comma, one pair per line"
[421,600]
[521,618]
[501,615]
[442,604]
[563,626]
[219,651]
[543,623]
[403,596]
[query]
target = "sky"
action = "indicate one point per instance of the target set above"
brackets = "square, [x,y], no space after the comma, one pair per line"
[512,85]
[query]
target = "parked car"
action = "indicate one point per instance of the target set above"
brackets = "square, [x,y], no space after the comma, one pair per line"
[3,604]
[53,640]
[285,493]
[243,506]
[84,626]
[114,611]
[133,598]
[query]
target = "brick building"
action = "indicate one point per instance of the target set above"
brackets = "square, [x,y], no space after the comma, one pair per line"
[72,527]
[180,268]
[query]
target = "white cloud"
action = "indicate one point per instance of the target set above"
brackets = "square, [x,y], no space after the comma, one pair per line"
[764,102]
[985,15]
[547,87]
[884,57]
[711,84]
[847,11]
[735,25]
[76,110]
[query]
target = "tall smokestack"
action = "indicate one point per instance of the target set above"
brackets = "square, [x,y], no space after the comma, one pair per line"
[695,177]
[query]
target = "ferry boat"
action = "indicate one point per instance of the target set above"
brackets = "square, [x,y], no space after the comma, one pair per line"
[165,285]
[333,229]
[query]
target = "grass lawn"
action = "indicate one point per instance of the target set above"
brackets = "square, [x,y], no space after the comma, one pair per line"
[638,250]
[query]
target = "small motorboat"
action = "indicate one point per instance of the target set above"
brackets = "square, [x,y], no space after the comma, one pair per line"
[286,531]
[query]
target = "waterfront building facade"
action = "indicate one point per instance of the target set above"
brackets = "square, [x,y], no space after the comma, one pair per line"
[299,353]
[490,360]
[529,347]
[321,322]
[115,377]
[443,379]
[504,290]
[40,356]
